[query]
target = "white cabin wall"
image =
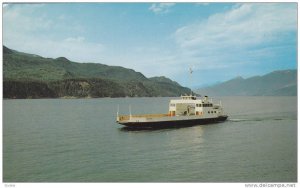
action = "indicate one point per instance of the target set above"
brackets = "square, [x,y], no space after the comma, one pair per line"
[180,106]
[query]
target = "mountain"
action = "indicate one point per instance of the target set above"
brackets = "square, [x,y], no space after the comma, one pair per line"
[19,66]
[32,76]
[162,79]
[277,83]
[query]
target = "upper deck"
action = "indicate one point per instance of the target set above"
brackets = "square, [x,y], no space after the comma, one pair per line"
[191,99]
[188,97]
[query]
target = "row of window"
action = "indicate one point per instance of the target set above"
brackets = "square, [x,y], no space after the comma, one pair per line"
[211,112]
[204,105]
[197,105]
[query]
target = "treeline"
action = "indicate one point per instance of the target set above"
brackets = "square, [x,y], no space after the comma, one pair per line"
[26,89]
[32,76]
[86,88]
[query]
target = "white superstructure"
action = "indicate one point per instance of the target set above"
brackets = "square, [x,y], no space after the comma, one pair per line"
[191,106]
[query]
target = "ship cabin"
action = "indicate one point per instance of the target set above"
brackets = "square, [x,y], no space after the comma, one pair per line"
[191,106]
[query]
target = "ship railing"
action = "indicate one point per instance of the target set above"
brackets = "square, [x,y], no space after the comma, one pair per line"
[127,117]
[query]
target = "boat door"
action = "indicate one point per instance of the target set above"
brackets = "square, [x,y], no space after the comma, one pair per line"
[191,110]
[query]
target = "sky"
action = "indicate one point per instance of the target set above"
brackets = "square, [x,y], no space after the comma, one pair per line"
[219,41]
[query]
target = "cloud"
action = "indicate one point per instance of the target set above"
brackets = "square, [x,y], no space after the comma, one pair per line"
[46,35]
[161,8]
[202,4]
[74,39]
[74,48]
[247,25]
[5,5]
[223,38]
[15,19]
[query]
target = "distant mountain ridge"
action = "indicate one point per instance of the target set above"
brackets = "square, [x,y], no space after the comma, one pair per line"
[32,76]
[277,83]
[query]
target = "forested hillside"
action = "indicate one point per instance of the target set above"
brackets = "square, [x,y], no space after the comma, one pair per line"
[32,76]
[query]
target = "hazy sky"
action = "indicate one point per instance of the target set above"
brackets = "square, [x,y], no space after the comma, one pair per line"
[218,40]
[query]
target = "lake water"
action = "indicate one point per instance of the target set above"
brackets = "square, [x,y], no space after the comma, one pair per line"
[77,140]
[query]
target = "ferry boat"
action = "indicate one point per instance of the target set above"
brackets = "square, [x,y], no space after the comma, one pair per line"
[184,112]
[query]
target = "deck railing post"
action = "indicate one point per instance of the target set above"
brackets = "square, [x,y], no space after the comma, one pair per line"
[118,111]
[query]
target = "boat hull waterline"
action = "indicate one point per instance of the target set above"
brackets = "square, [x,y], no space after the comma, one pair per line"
[174,123]
[184,112]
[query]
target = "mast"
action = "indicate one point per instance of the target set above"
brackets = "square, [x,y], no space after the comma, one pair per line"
[191,71]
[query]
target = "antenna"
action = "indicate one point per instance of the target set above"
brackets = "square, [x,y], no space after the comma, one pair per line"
[191,71]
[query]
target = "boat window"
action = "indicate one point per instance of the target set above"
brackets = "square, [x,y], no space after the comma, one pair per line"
[209,112]
[205,105]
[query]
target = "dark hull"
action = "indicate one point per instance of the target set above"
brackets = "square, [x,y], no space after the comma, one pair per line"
[175,123]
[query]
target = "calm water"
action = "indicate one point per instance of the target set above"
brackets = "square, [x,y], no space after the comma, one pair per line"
[60,140]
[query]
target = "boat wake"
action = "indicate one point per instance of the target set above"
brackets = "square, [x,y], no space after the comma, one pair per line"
[254,119]
[258,119]
[238,120]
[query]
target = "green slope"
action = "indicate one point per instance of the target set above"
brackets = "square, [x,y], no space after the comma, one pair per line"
[31,76]
[18,66]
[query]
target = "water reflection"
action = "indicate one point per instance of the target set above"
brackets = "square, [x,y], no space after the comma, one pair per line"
[176,136]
